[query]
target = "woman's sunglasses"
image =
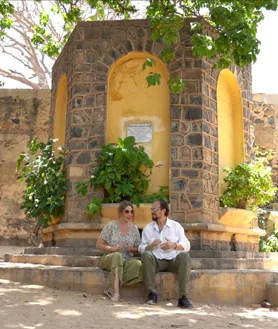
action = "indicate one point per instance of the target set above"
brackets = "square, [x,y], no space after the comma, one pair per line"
[129,211]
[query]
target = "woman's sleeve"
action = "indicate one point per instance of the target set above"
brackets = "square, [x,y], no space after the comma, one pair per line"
[137,239]
[106,232]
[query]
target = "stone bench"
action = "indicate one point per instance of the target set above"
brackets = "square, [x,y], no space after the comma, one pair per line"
[197,263]
[219,286]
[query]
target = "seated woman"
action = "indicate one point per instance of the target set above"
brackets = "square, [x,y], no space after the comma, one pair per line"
[120,239]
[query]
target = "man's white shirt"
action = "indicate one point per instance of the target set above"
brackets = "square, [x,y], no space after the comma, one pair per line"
[172,230]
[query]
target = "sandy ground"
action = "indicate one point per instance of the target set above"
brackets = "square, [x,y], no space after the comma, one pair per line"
[36,307]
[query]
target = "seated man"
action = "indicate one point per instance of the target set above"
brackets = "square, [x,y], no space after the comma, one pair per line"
[164,247]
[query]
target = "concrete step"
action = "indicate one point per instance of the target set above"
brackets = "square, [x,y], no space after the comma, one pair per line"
[232,254]
[237,287]
[56,260]
[82,251]
[88,251]
[197,263]
[234,263]
[272,293]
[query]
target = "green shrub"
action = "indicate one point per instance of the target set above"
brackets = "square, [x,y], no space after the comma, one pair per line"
[262,215]
[249,185]
[271,243]
[46,182]
[123,171]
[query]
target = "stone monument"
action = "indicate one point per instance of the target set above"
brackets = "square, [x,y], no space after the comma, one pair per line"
[100,93]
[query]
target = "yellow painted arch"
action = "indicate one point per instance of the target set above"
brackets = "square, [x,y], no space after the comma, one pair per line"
[230,123]
[130,101]
[59,125]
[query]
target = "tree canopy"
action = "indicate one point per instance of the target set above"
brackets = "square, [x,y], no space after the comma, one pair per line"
[234,24]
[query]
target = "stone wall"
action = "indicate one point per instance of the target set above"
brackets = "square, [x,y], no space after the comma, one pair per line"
[90,52]
[86,59]
[266,128]
[24,114]
[194,152]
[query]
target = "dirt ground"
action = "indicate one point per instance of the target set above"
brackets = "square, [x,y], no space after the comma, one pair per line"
[36,307]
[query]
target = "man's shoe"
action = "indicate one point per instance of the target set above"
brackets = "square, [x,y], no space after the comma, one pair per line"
[184,302]
[152,298]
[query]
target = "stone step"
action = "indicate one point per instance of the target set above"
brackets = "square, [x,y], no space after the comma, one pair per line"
[56,260]
[237,287]
[89,251]
[272,293]
[232,254]
[78,251]
[234,263]
[197,263]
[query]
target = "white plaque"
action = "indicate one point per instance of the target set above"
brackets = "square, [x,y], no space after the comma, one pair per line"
[141,131]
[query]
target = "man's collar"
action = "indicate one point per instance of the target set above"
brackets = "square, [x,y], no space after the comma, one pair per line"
[166,224]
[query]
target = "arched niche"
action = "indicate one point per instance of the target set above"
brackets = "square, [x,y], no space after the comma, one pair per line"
[230,124]
[59,125]
[130,101]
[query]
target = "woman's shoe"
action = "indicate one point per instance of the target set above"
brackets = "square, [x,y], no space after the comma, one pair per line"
[115,298]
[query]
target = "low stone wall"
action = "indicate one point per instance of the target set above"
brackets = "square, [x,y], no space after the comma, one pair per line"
[24,114]
[266,128]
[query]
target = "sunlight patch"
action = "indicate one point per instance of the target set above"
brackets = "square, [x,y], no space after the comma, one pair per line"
[258,313]
[2,281]
[41,302]
[149,311]
[68,312]
[32,286]
[25,326]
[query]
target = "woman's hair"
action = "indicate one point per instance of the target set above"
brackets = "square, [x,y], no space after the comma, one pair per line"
[123,205]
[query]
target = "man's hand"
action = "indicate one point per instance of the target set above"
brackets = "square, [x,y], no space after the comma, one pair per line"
[168,245]
[155,243]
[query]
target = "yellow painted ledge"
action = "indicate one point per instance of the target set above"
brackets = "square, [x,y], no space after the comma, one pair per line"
[73,227]
[236,217]
[223,228]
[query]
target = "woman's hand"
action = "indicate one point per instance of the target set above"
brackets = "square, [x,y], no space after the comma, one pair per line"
[102,245]
[132,249]
[117,247]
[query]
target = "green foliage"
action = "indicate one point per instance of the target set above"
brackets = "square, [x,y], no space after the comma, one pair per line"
[123,172]
[167,54]
[176,85]
[203,46]
[6,9]
[249,185]
[94,207]
[43,38]
[262,215]
[231,37]
[46,183]
[153,79]
[271,243]
[149,62]
[150,198]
